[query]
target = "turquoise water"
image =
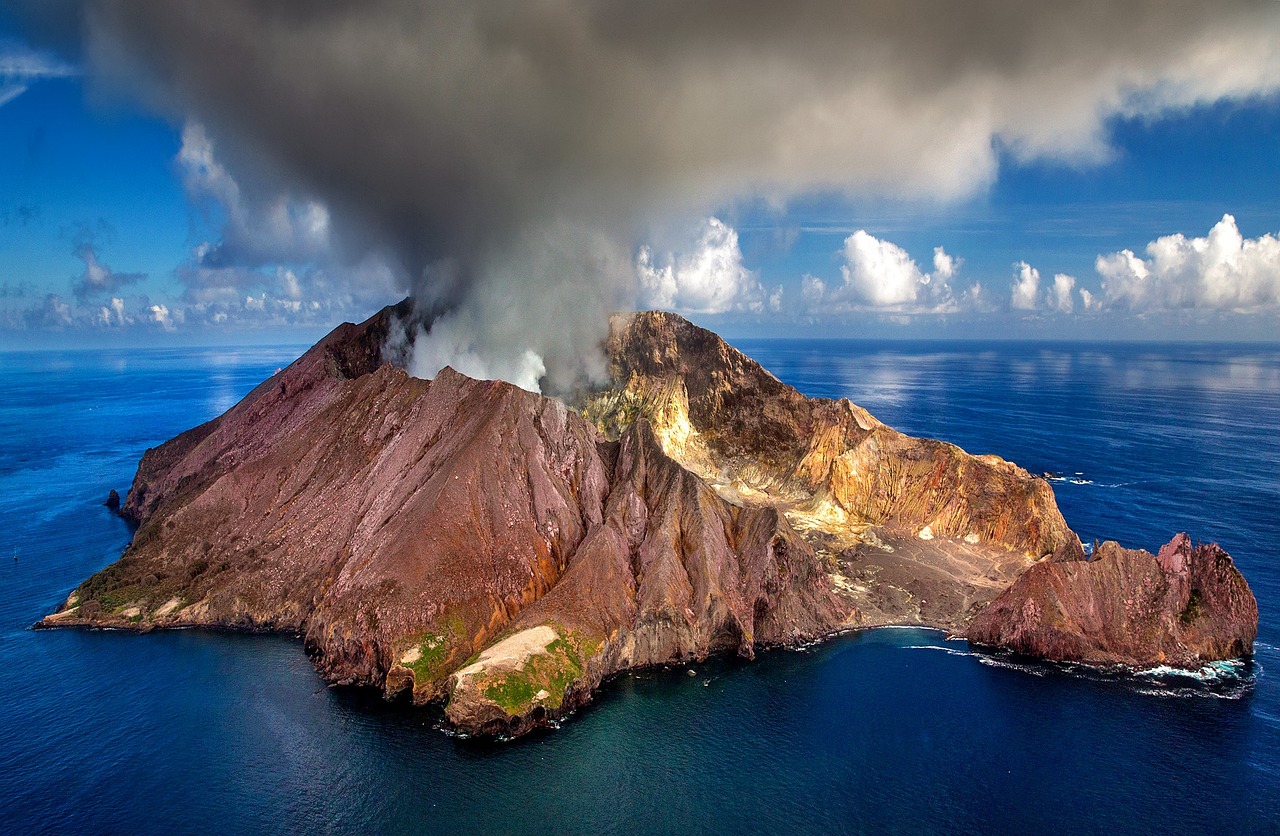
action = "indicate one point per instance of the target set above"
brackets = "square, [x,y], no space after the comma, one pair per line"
[886,731]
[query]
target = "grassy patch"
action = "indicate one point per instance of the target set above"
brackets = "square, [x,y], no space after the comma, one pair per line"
[435,650]
[564,662]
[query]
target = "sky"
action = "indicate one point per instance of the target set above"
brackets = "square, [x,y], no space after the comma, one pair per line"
[260,173]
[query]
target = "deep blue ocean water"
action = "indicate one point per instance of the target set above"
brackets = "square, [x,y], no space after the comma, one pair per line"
[884,731]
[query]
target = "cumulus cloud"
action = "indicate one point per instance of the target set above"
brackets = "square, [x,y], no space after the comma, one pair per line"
[98,278]
[479,147]
[113,314]
[1026,287]
[1028,293]
[161,316]
[1221,271]
[53,312]
[711,279]
[1060,298]
[880,275]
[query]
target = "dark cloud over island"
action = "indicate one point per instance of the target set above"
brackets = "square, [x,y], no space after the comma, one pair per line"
[506,159]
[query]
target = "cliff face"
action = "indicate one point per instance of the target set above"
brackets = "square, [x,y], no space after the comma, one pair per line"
[1182,607]
[470,542]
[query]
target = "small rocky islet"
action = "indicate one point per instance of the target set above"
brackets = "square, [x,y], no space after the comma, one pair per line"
[471,543]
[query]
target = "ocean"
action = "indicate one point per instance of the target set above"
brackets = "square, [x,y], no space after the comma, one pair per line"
[885,731]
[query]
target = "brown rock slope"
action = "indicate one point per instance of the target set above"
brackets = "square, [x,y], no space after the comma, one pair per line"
[1181,607]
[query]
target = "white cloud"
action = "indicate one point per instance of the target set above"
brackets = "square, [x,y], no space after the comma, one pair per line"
[709,280]
[1221,271]
[160,315]
[1026,287]
[117,311]
[1061,299]
[880,273]
[20,65]
[1089,302]
[880,276]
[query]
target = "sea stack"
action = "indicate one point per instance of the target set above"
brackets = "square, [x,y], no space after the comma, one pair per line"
[1183,607]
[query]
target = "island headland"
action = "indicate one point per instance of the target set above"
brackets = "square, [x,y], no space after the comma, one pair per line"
[501,552]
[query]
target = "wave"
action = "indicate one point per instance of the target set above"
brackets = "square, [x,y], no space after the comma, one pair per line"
[1230,679]
[1212,672]
[1081,479]
[950,651]
[1070,480]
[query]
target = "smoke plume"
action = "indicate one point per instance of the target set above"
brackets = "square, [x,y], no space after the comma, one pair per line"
[508,158]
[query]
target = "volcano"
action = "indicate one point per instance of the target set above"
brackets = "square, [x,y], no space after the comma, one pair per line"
[471,543]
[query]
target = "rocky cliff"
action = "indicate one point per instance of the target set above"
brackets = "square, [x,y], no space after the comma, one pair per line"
[470,542]
[1181,607]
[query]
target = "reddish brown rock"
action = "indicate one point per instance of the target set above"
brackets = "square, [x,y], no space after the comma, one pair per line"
[1183,607]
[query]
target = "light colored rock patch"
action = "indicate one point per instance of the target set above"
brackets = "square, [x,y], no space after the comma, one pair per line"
[512,652]
[971,538]
[926,533]
[412,655]
[131,612]
[168,607]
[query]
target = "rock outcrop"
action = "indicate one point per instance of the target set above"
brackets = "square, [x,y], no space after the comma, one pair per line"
[1182,607]
[469,542]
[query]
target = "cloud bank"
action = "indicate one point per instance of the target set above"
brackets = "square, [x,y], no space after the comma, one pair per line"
[1222,271]
[504,159]
[880,276]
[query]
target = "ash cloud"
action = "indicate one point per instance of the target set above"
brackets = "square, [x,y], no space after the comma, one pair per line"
[506,158]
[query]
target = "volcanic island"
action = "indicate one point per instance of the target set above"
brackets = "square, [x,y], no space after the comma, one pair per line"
[468,543]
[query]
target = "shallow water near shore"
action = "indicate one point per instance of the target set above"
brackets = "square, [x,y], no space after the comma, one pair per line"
[881,731]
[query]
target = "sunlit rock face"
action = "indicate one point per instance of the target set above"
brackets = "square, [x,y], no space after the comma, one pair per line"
[471,542]
[911,530]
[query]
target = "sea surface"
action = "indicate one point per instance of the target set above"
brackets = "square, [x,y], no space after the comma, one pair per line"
[884,731]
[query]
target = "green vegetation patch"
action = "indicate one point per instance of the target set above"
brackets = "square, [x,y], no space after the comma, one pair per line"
[1194,608]
[435,650]
[564,662]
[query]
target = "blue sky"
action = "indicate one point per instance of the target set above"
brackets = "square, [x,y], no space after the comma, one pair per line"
[91,179]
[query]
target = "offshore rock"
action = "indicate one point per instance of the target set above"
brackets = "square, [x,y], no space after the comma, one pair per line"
[1183,607]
